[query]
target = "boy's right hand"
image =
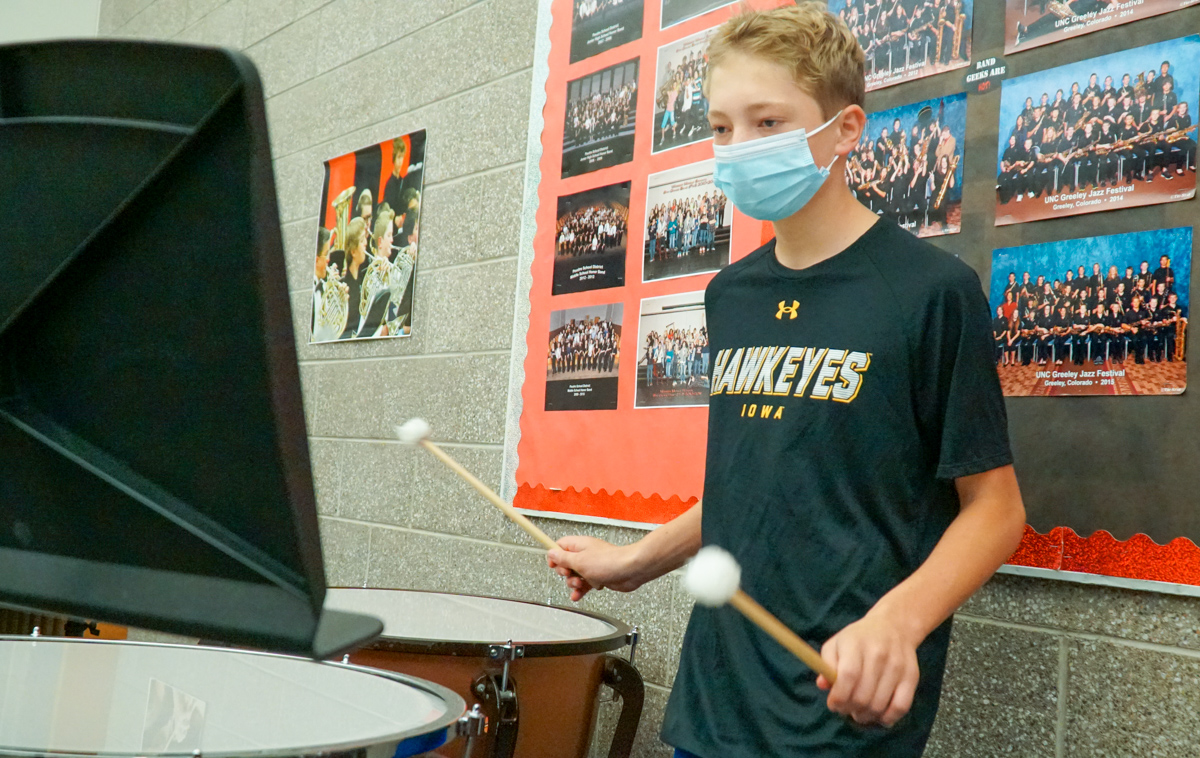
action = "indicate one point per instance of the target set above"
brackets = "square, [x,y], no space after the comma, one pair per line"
[588,563]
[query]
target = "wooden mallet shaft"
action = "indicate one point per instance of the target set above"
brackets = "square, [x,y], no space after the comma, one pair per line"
[766,621]
[517,518]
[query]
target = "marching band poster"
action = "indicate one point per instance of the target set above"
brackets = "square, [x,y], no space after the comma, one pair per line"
[1032,23]
[673,352]
[592,236]
[688,223]
[367,241]
[908,165]
[583,358]
[680,107]
[1094,316]
[601,118]
[1106,133]
[599,25]
[908,39]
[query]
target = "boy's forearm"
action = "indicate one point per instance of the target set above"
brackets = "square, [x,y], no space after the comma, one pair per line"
[669,546]
[981,538]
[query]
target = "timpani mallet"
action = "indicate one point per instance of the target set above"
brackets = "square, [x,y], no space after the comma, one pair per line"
[713,577]
[416,431]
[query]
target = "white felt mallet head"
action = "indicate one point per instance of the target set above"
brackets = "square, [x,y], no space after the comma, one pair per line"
[713,576]
[414,431]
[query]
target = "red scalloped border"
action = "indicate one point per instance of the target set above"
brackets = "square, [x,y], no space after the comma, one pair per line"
[1138,557]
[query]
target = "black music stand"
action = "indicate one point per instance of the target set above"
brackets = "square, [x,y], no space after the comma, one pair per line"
[155,462]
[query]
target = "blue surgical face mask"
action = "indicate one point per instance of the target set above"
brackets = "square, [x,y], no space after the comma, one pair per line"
[770,178]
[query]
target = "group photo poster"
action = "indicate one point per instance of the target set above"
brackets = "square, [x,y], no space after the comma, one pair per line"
[1105,133]
[680,107]
[908,39]
[592,235]
[672,352]
[1033,23]
[367,241]
[688,223]
[677,11]
[599,25]
[1093,316]
[601,119]
[583,357]
[908,165]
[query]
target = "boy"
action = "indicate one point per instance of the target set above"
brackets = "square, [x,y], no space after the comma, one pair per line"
[858,463]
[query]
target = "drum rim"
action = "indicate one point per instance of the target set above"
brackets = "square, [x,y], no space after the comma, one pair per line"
[445,725]
[621,636]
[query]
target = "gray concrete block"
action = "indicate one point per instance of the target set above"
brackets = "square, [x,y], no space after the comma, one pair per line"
[116,13]
[161,20]
[326,472]
[442,502]
[310,387]
[1125,701]
[346,548]
[305,7]
[422,561]
[265,17]
[298,177]
[473,219]
[198,9]
[461,397]
[461,143]
[300,250]
[285,57]
[651,609]
[375,481]
[350,29]
[1143,616]
[648,743]
[222,26]
[1000,693]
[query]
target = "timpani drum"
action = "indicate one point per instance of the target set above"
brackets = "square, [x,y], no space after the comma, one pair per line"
[535,670]
[70,697]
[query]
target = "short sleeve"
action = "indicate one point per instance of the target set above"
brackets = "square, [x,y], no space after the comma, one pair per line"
[960,406]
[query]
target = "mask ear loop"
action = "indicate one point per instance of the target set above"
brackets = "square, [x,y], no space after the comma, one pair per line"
[827,169]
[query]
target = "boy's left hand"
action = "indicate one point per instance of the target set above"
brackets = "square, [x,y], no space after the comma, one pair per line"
[876,668]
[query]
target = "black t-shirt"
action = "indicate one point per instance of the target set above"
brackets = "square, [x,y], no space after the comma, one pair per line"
[833,446]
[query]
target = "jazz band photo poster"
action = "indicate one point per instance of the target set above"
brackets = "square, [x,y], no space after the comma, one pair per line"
[1094,316]
[1032,23]
[673,356]
[583,358]
[1112,132]
[364,274]
[908,39]
[599,25]
[680,107]
[908,165]
[601,118]
[592,234]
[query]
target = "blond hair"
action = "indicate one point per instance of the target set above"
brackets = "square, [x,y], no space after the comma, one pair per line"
[807,39]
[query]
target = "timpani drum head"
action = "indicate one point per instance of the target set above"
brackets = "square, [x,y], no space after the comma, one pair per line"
[462,622]
[76,697]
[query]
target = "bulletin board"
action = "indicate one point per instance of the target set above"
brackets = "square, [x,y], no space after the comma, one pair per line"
[1107,480]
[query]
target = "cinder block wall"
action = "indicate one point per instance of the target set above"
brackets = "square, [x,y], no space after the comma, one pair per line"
[1037,668]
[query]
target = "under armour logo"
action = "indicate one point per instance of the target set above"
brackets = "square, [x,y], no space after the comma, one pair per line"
[790,310]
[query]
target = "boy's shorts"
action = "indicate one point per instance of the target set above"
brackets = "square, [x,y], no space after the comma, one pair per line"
[684,754]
